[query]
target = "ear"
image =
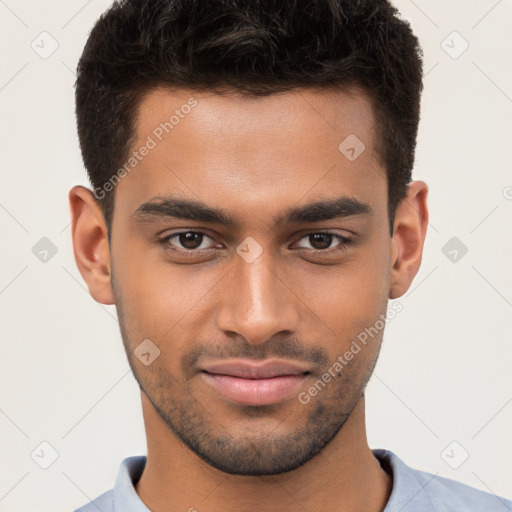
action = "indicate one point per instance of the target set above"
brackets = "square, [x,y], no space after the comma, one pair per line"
[90,244]
[410,228]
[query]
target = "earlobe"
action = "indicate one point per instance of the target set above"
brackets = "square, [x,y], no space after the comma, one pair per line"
[90,244]
[409,233]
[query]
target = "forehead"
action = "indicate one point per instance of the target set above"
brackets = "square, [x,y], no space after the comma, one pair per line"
[286,117]
[254,152]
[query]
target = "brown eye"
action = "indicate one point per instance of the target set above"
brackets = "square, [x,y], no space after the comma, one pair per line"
[323,241]
[187,241]
[190,240]
[320,240]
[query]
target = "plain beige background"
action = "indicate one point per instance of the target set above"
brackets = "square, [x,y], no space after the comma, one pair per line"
[442,389]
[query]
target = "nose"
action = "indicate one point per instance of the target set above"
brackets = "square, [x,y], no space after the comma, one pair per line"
[257,303]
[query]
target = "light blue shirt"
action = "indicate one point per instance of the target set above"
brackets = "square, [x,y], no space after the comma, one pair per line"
[413,491]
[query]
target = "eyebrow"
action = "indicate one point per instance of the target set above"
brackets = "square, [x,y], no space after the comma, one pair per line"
[186,209]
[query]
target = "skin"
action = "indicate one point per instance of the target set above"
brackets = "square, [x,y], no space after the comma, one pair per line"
[254,158]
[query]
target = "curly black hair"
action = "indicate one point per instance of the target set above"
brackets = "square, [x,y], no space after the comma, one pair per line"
[253,47]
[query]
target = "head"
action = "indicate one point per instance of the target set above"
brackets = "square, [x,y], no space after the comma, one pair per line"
[252,199]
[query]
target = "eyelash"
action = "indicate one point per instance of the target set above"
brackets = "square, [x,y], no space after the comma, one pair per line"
[345,242]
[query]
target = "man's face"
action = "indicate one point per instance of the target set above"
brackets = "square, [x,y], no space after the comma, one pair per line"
[224,300]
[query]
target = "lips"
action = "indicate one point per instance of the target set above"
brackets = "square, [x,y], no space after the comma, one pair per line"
[250,383]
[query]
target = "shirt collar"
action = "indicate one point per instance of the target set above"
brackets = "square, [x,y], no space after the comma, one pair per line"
[408,492]
[126,498]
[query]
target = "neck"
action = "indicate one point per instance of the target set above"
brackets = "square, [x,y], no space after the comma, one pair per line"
[343,476]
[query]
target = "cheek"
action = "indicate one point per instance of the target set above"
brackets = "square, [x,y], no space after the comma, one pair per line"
[348,302]
[161,301]
[350,295]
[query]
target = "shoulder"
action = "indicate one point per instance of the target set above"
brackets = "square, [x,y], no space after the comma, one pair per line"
[104,502]
[456,496]
[421,491]
[122,496]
